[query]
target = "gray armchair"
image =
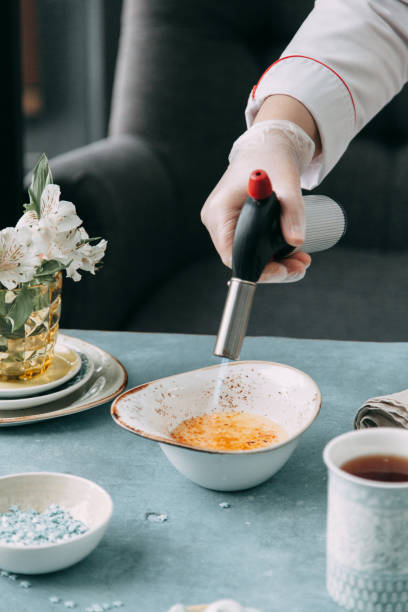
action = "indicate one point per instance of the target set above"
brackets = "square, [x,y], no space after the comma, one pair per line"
[183,75]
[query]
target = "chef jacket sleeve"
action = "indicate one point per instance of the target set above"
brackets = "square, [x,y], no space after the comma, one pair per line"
[348,59]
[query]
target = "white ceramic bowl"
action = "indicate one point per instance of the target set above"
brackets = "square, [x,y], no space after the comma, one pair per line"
[286,395]
[84,499]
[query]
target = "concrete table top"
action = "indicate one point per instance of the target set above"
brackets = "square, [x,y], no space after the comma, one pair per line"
[267,550]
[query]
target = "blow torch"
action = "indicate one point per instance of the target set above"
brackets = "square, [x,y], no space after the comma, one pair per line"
[258,239]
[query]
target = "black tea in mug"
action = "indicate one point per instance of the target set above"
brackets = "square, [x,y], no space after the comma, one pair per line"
[386,468]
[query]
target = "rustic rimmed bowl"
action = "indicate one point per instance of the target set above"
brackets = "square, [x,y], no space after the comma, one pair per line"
[282,393]
[83,499]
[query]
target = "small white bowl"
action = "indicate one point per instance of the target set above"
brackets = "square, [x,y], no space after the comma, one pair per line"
[85,500]
[286,395]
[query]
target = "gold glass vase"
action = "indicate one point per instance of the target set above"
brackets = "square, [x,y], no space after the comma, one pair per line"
[29,320]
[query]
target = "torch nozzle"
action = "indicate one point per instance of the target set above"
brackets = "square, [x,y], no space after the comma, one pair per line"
[235,318]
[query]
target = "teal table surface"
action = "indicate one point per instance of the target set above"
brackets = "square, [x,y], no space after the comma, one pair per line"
[267,550]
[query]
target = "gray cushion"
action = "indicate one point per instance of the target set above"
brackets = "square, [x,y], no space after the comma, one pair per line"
[347,295]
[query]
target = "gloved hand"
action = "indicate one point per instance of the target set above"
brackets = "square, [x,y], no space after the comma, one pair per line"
[283,150]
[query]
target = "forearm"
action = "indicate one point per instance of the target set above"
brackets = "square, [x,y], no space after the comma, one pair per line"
[349,58]
[286,107]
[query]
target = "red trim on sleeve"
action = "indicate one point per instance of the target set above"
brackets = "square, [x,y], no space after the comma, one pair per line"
[314,60]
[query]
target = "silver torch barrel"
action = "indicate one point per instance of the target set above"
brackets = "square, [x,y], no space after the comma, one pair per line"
[325,225]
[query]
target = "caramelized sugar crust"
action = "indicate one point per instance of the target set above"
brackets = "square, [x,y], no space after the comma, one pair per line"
[229,431]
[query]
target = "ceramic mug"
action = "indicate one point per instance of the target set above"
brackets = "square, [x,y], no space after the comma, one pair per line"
[367,526]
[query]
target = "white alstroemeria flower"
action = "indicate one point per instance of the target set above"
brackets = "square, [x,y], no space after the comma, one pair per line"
[29,219]
[62,215]
[65,247]
[86,256]
[51,245]
[18,259]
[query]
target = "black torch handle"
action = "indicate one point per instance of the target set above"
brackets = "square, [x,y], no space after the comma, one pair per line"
[258,238]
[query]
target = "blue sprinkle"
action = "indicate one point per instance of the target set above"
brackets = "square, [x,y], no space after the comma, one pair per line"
[224,505]
[155,517]
[55,599]
[70,604]
[29,527]
[25,584]
[12,576]
[4,573]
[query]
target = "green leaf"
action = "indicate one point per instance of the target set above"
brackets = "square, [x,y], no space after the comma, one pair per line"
[88,241]
[5,330]
[41,178]
[46,279]
[20,309]
[3,305]
[48,268]
[5,327]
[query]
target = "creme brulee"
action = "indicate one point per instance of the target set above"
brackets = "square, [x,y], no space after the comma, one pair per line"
[229,431]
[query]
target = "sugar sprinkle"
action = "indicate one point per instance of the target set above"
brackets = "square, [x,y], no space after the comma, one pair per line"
[54,599]
[154,517]
[32,528]
[96,607]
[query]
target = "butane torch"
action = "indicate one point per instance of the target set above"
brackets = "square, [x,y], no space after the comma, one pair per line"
[258,239]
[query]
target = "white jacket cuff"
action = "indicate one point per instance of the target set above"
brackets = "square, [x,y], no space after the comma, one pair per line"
[324,94]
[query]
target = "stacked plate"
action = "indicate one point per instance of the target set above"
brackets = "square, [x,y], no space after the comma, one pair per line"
[81,376]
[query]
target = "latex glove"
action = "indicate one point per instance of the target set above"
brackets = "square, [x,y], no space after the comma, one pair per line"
[283,150]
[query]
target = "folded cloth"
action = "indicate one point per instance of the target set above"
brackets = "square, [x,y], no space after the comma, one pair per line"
[384,411]
[224,605]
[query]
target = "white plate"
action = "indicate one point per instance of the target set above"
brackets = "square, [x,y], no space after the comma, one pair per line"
[108,379]
[64,366]
[82,377]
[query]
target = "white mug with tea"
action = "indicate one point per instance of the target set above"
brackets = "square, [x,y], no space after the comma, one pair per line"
[367,520]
